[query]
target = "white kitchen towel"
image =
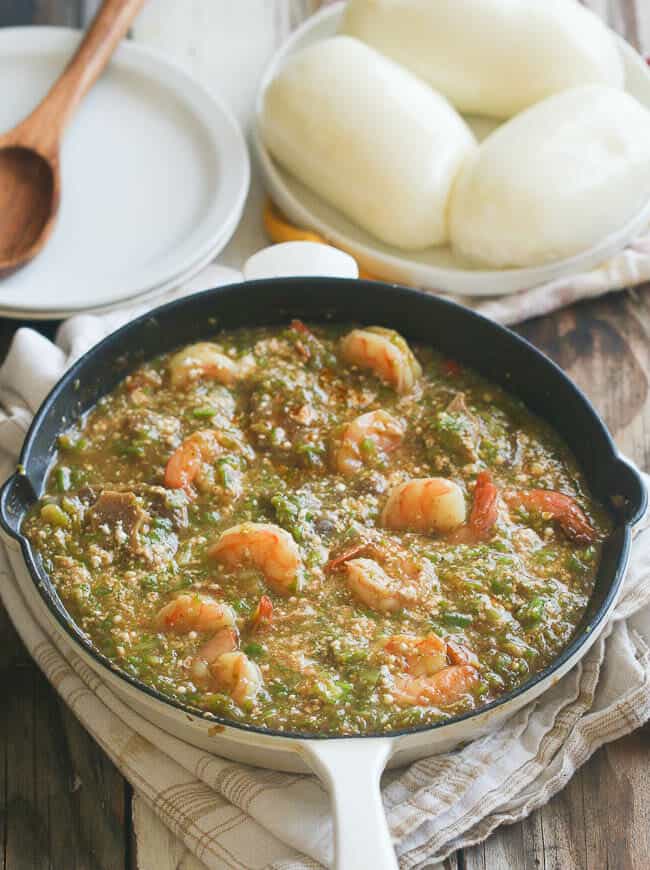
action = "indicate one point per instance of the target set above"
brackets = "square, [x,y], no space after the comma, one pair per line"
[235,816]
[629,268]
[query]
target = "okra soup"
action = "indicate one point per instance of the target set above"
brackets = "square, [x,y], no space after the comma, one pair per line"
[320,529]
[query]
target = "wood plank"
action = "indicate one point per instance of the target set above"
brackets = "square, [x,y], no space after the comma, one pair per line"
[88,8]
[62,803]
[16,13]
[63,12]
[604,346]
[601,817]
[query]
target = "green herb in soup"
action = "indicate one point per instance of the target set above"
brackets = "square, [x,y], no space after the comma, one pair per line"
[319,529]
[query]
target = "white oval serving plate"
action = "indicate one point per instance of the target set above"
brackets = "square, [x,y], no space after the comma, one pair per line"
[155,173]
[434,268]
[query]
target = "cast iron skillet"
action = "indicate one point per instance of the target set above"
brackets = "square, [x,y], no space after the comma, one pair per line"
[496,352]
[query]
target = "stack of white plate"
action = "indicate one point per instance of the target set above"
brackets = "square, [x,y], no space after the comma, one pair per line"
[155,173]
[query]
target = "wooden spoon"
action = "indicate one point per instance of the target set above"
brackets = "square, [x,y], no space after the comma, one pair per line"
[30,183]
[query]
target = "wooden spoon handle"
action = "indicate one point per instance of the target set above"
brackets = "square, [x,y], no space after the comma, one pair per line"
[43,128]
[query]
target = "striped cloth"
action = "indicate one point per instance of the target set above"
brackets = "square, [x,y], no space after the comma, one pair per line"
[233,816]
[629,268]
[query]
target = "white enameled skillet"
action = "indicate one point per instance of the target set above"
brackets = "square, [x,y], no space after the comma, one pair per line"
[350,767]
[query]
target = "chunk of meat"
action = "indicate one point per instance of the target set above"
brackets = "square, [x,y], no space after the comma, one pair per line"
[121,512]
[139,521]
[147,427]
[171,504]
[457,430]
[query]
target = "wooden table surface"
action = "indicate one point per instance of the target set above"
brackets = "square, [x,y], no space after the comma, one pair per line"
[63,805]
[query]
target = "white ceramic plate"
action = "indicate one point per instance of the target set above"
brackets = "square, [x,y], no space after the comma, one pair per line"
[435,268]
[155,173]
[145,296]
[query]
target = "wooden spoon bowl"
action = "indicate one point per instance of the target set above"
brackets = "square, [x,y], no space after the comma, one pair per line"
[29,195]
[30,183]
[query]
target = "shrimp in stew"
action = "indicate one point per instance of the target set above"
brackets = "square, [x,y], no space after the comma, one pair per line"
[319,529]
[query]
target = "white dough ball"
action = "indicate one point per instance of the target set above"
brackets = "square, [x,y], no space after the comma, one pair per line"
[491,57]
[369,138]
[553,181]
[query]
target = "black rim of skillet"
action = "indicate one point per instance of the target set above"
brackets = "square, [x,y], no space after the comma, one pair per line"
[312,298]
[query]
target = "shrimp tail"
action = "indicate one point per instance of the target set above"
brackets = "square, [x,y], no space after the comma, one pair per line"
[560,507]
[263,614]
[299,326]
[485,508]
[458,654]
[484,513]
[339,561]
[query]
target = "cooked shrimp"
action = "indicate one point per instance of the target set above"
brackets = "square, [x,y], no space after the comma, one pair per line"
[445,687]
[185,462]
[376,431]
[371,585]
[428,504]
[385,353]
[220,666]
[422,673]
[387,578]
[196,464]
[239,676]
[419,655]
[195,613]
[202,360]
[224,641]
[558,507]
[484,513]
[268,547]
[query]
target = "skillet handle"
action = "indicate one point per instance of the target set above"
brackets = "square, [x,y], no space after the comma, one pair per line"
[351,770]
[629,483]
[16,495]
